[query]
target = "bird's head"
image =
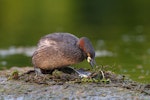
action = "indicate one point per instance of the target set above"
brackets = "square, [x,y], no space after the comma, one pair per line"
[86,46]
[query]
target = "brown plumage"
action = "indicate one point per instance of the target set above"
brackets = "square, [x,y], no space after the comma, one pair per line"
[60,50]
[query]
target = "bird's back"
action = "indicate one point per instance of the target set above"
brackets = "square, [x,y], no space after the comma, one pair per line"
[59,37]
[57,50]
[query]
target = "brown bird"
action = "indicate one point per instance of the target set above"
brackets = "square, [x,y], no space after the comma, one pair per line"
[59,50]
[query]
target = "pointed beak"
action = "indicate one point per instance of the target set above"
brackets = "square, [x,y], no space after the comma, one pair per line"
[91,61]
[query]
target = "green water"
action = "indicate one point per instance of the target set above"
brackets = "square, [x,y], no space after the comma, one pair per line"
[121,28]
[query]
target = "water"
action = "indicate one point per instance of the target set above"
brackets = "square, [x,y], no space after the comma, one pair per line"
[118,30]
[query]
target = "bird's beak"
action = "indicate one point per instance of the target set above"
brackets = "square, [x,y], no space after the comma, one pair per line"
[91,61]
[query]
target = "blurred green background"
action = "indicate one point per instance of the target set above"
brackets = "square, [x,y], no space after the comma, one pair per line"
[118,29]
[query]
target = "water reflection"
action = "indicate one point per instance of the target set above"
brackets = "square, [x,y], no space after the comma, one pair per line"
[27,51]
[133,38]
[104,53]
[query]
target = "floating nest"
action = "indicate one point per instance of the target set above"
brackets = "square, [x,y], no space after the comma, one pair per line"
[68,75]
